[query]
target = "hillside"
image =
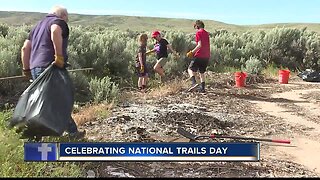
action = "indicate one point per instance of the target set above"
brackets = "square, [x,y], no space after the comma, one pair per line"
[142,23]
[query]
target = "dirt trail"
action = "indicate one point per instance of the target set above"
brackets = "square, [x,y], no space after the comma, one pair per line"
[305,146]
[265,110]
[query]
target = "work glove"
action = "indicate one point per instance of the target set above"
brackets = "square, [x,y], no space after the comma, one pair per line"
[58,61]
[142,69]
[27,73]
[190,54]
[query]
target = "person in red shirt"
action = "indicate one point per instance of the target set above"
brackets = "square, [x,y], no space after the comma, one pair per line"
[200,55]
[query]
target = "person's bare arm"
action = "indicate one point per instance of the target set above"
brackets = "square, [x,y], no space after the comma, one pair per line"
[197,47]
[25,54]
[171,49]
[151,51]
[176,55]
[140,59]
[56,37]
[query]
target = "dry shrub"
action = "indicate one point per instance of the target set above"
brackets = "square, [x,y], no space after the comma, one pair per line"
[170,88]
[92,113]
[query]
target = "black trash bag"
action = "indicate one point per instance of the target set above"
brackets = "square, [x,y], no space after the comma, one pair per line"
[45,107]
[310,75]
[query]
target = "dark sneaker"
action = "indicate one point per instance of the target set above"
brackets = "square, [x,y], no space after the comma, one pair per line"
[77,135]
[202,91]
[193,87]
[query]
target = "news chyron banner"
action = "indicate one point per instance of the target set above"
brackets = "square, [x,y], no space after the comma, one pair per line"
[142,152]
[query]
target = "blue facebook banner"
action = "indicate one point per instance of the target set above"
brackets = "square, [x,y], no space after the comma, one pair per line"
[40,152]
[159,151]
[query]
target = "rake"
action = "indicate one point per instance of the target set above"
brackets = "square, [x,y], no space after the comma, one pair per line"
[199,137]
[19,77]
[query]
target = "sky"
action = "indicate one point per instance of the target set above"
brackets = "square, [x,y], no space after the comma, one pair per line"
[240,12]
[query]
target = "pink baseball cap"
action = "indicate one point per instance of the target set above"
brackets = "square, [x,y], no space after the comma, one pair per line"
[155,34]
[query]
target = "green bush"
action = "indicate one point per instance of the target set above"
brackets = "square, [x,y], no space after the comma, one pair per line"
[10,61]
[103,90]
[175,67]
[112,53]
[253,66]
[4,29]
[179,41]
[81,87]
[102,50]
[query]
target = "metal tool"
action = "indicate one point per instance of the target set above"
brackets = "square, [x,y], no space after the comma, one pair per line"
[198,137]
[21,76]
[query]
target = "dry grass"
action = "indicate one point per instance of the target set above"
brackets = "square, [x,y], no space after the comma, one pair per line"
[156,90]
[170,88]
[271,71]
[92,113]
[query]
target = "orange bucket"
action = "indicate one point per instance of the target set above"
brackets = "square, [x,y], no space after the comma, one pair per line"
[240,78]
[284,76]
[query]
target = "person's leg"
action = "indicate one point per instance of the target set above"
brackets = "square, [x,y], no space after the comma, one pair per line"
[203,82]
[158,69]
[73,131]
[35,72]
[192,69]
[192,75]
[144,81]
[138,67]
[143,84]
[140,82]
[203,64]
[145,77]
[72,126]
[162,62]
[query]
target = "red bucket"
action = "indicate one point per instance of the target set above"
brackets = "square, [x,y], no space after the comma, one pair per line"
[240,78]
[284,76]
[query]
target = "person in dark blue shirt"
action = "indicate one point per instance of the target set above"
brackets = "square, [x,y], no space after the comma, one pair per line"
[47,44]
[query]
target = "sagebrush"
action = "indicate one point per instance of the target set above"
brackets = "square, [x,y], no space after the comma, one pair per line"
[112,53]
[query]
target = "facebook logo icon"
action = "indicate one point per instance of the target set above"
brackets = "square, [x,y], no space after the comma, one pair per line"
[40,152]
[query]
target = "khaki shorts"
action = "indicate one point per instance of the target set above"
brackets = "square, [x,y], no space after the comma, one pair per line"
[162,61]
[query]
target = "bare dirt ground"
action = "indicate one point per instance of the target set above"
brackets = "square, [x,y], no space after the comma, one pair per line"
[263,109]
[304,111]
